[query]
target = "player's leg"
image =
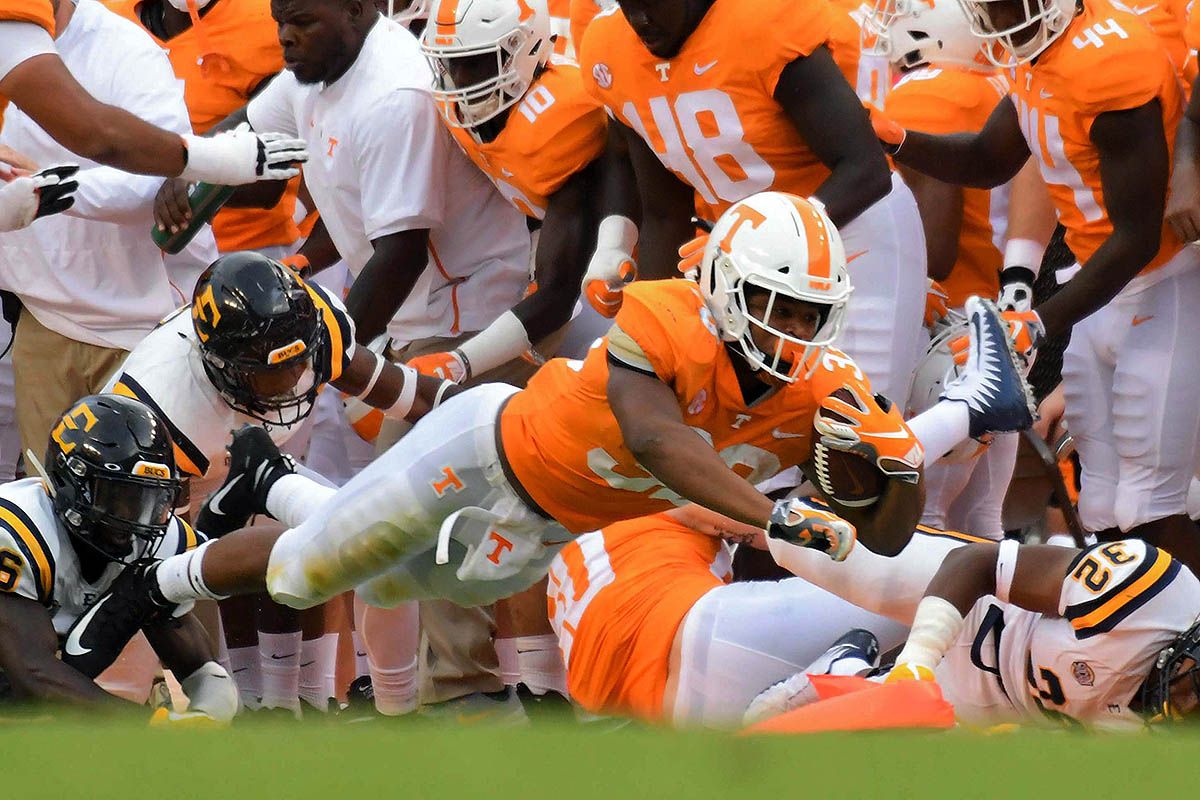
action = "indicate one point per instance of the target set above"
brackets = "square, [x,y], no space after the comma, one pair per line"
[526,644]
[979,506]
[390,640]
[944,482]
[741,638]
[1156,419]
[1088,388]
[885,247]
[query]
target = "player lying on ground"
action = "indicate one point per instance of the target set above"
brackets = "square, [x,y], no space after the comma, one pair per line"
[1106,637]
[105,501]
[692,383]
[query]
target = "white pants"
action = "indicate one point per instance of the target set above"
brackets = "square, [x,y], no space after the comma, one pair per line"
[741,638]
[883,334]
[1131,376]
[440,486]
[10,437]
[969,496]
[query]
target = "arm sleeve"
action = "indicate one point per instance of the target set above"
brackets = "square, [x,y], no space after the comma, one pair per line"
[271,110]
[402,153]
[1110,581]
[147,88]
[21,41]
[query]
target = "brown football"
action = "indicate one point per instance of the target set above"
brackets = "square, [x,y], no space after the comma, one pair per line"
[848,478]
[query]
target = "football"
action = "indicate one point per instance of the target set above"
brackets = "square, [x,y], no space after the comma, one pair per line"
[847,478]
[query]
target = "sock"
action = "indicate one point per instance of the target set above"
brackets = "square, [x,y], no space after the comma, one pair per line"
[392,636]
[318,659]
[243,663]
[180,580]
[279,663]
[294,498]
[506,653]
[360,655]
[540,663]
[940,428]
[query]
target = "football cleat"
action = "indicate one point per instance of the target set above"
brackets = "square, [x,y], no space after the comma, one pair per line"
[852,654]
[991,384]
[502,709]
[133,601]
[255,464]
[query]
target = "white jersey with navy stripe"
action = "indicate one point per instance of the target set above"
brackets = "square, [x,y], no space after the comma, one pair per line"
[38,559]
[166,372]
[1121,604]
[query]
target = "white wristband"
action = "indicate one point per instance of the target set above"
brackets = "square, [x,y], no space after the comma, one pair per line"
[502,341]
[1024,253]
[936,625]
[379,362]
[617,232]
[408,394]
[1006,567]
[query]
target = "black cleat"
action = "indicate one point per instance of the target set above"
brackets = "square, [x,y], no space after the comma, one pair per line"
[255,463]
[131,603]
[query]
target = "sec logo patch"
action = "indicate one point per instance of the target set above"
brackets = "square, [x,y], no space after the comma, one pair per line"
[602,75]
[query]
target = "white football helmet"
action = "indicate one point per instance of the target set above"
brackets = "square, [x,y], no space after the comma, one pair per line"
[514,35]
[913,33]
[789,247]
[416,10]
[936,369]
[1051,18]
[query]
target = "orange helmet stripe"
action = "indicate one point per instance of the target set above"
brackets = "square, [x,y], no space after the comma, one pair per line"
[447,18]
[816,233]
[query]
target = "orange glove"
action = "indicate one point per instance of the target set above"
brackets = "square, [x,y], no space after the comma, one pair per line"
[366,420]
[692,253]
[936,309]
[448,366]
[887,130]
[1026,330]
[612,265]
[607,294]
[296,263]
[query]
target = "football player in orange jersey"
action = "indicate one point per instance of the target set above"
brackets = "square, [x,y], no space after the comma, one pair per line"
[1096,100]
[697,391]
[708,121]
[525,120]
[35,79]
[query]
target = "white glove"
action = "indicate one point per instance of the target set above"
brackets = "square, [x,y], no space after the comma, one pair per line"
[24,199]
[242,156]
[1016,289]
[611,266]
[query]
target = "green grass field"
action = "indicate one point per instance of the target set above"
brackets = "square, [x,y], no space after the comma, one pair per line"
[125,759]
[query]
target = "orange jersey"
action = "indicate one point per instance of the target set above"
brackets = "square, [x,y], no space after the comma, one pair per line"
[554,132]
[1191,32]
[221,60]
[1106,60]
[869,75]
[709,113]
[39,12]
[581,13]
[1168,19]
[560,27]
[616,599]
[956,100]
[564,444]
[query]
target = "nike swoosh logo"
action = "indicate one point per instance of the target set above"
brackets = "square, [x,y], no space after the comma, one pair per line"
[215,503]
[700,70]
[1044,94]
[778,434]
[896,434]
[240,669]
[308,663]
[280,658]
[856,255]
[1140,320]
[74,647]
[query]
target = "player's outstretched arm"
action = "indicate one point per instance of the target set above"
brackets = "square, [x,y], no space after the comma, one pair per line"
[654,431]
[1134,169]
[28,645]
[887,526]
[1029,576]
[183,647]
[984,160]
[667,205]
[392,390]
[832,121]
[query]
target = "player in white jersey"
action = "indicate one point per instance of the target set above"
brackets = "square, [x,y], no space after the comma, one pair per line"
[104,501]
[1106,637]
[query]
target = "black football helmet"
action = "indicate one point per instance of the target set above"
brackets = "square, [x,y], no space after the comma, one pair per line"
[1172,691]
[110,466]
[261,337]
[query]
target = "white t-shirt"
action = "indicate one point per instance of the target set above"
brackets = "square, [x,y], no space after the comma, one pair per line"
[381,162]
[19,42]
[92,273]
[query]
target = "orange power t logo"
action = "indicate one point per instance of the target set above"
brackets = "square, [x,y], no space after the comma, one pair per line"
[451,481]
[743,213]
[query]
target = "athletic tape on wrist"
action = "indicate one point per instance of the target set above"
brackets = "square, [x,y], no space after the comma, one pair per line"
[408,394]
[1024,253]
[1006,568]
[441,393]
